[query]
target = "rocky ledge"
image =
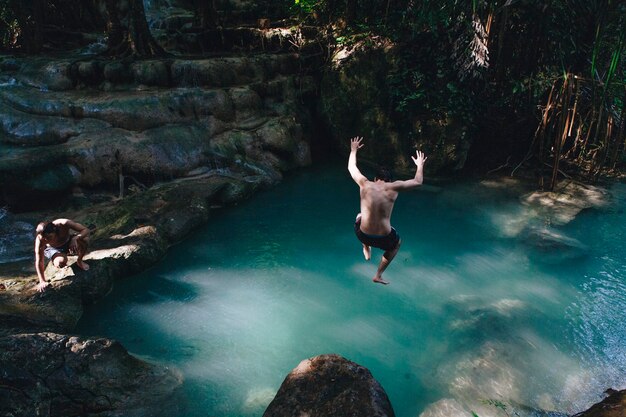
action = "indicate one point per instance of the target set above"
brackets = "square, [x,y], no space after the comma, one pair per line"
[130,235]
[48,374]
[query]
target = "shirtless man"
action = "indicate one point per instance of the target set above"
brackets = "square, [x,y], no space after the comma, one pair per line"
[55,240]
[373,223]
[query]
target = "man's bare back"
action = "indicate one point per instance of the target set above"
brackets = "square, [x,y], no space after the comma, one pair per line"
[377,201]
[373,223]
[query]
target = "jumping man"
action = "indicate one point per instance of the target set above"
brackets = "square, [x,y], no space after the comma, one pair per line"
[373,223]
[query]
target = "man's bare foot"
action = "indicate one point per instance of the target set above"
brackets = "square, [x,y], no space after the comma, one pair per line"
[82,265]
[380,281]
[367,252]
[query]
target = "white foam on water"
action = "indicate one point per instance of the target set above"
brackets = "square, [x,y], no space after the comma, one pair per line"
[257,400]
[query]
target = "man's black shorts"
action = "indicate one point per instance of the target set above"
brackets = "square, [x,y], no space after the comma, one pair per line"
[385,242]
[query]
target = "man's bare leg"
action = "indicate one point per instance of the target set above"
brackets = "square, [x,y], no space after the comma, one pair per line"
[82,265]
[59,260]
[384,263]
[367,252]
[82,251]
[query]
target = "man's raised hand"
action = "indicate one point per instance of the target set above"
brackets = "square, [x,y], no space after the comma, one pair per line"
[419,158]
[355,143]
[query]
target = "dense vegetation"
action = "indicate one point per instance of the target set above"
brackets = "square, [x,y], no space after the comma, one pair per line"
[538,84]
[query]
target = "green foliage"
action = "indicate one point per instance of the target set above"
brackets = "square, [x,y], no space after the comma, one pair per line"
[499,405]
[496,403]
[307,6]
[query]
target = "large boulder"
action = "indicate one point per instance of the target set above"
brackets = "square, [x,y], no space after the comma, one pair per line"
[330,385]
[47,374]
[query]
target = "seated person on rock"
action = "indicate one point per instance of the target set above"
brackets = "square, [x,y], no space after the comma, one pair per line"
[55,240]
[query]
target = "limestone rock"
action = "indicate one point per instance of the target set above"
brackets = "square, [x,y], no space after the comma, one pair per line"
[98,119]
[612,406]
[330,385]
[552,246]
[47,374]
[154,73]
[568,199]
[60,307]
[57,76]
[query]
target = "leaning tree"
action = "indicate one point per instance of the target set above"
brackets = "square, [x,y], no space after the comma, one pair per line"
[128,32]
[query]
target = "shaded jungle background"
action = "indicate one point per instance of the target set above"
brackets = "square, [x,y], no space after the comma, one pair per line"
[480,85]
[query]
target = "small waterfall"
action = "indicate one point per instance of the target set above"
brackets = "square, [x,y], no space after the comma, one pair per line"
[16,238]
[96,47]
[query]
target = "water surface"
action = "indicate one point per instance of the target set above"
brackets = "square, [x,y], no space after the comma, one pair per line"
[476,312]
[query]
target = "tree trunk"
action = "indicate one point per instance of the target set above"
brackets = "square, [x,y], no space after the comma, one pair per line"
[207,13]
[129,35]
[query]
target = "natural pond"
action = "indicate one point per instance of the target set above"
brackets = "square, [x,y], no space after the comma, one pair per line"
[480,312]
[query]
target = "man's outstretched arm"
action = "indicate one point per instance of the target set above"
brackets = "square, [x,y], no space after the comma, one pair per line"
[419,160]
[39,265]
[355,145]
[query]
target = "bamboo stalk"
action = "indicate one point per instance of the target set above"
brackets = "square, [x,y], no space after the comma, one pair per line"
[564,122]
[605,146]
[620,135]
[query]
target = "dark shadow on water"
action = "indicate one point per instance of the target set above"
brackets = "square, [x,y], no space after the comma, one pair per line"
[162,289]
[116,316]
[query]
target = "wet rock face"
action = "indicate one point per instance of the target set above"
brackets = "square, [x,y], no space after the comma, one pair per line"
[67,124]
[330,385]
[47,374]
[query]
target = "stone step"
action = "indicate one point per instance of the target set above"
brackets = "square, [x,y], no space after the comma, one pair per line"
[30,117]
[59,74]
[237,40]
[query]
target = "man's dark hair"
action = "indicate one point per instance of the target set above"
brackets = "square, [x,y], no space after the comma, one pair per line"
[46,228]
[384,174]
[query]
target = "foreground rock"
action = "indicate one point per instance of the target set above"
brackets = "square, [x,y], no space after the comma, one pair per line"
[330,385]
[612,406]
[48,374]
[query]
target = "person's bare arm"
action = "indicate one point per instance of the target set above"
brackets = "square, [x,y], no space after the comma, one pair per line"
[355,145]
[39,265]
[416,181]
